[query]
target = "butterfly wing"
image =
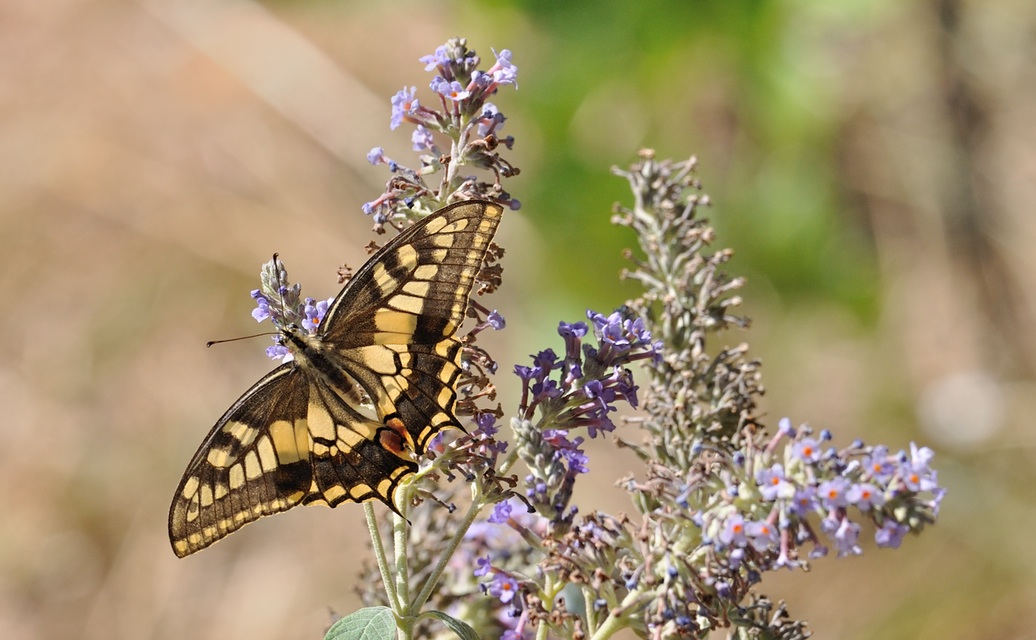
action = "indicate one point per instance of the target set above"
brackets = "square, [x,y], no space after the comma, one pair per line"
[296,437]
[394,323]
[254,462]
[262,457]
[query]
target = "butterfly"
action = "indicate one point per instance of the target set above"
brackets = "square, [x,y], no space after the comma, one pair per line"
[299,435]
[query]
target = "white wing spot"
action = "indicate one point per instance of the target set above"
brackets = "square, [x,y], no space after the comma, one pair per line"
[332,494]
[407,304]
[267,457]
[319,422]
[417,288]
[426,272]
[206,495]
[237,477]
[252,468]
[219,458]
[190,487]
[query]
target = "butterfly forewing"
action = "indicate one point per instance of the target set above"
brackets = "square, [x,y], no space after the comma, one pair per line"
[415,290]
[298,436]
[254,462]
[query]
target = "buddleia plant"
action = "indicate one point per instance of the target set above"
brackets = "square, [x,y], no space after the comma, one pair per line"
[489,542]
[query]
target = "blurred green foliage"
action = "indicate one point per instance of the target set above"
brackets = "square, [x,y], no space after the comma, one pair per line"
[729,81]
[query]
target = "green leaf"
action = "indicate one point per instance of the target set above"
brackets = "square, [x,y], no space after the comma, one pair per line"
[462,629]
[371,623]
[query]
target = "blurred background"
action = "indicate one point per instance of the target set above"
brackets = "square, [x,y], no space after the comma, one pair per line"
[872,163]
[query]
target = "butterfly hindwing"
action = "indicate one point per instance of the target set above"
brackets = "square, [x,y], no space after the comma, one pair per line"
[298,436]
[419,391]
[354,458]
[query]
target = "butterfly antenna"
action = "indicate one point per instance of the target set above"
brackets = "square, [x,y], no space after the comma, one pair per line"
[258,335]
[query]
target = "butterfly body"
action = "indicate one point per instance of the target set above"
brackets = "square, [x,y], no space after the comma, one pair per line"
[301,435]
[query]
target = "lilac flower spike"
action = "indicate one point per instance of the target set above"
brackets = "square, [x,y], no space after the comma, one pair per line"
[865,496]
[503,587]
[733,533]
[482,566]
[891,534]
[832,493]
[490,121]
[451,90]
[807,450]
[773,484]
[501,512]
[495,320]
[314,312]
[463,123]
[262,310]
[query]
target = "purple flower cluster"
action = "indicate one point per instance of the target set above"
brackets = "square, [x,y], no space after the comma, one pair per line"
[720,500]
[287,309]
[585,384]
[623,339]
[501,585]
[459,80]
[459,113]
[577,390]
[501,555]
[899,493]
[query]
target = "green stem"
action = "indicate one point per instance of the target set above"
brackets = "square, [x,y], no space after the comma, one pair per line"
[591,618]
[405,617]
[444,557]
[550,592]
[509,461]
[449,171]
[612,624]
[379,555]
